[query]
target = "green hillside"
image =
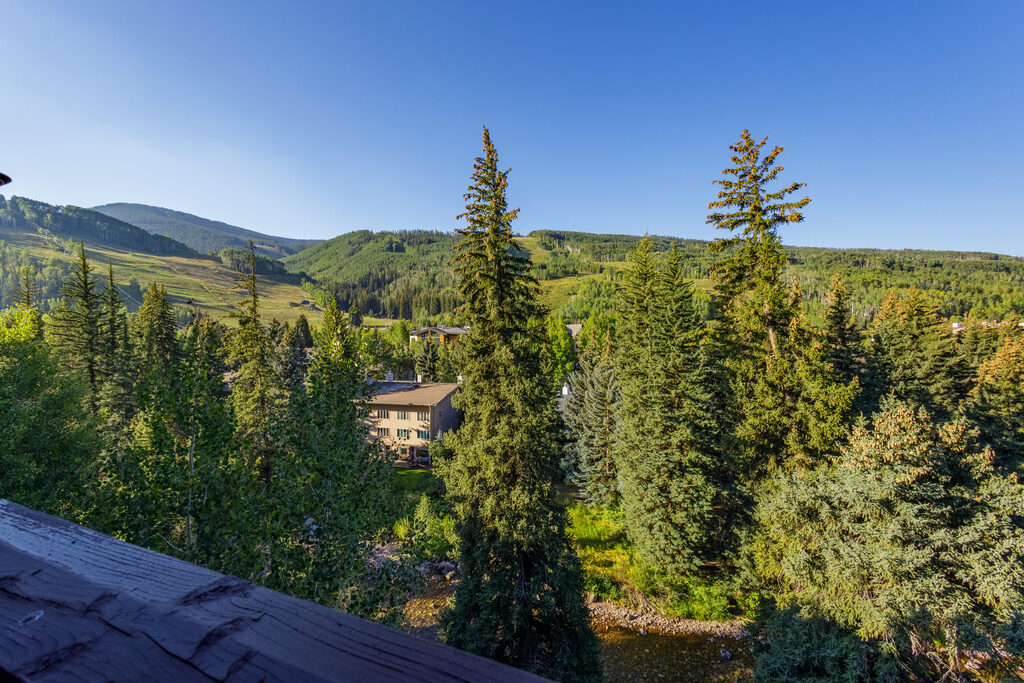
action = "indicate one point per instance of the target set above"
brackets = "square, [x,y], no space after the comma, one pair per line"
[201,234]
[44,236]
[402,274]
[980,284]
[75,222]
[405,274]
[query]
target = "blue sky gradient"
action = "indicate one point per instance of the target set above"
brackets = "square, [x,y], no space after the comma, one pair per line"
[904,119]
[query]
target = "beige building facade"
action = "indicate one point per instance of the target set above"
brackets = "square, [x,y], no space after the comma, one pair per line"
[441,334]
[407,416]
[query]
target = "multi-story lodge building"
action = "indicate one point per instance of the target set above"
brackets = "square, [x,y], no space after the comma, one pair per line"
[407,416]
[442,334]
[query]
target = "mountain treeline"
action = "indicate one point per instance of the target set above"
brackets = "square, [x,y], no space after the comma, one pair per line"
[404,274]
[241,260]
[75,222]
[401,274]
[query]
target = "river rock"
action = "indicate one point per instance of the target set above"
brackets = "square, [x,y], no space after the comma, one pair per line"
[726,655]
[643,632]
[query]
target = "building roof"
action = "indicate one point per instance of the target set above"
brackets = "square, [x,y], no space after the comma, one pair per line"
[78,605]
[443,329]
[412,393]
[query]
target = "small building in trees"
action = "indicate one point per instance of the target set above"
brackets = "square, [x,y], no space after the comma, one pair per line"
[441,334]
[407,416]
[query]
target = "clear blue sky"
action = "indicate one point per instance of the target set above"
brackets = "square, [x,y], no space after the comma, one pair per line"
[905,119]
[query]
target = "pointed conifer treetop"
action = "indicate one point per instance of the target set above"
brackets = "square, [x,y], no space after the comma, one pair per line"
[28,290]
[754,257]
[520,594]
[758,212]
[494,275]
[76,323]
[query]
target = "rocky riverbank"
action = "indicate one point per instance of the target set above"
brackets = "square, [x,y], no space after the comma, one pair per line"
[610,613]
[635,646]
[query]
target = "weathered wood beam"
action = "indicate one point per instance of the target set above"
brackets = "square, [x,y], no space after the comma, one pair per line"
[77,605]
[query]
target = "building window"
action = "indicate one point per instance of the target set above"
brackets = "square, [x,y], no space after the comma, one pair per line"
[423,434]
[403,414]
[383,431]
[382,413]
[423,416]
[403,433]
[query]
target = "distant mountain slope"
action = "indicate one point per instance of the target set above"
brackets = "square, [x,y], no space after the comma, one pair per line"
[44,237]
[400,274]
[405,273]
[201,234]
[73,222]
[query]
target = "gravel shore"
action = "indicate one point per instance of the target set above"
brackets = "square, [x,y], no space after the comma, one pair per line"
[607,613]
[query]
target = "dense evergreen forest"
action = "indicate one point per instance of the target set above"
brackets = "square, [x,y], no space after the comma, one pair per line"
[400,274]
[845,476]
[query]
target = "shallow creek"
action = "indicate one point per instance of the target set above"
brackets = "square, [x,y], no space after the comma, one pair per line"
[689,652]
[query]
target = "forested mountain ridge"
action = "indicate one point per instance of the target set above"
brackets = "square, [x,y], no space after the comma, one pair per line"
[202,234]
[74,222]
[400,274]
[405,273]
[44,237]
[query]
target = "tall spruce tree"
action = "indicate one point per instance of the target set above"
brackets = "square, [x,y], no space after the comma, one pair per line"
[843,349]
[206,430]
[749,276]
[520,597]
[997,404]
[76,327]
[256,390]
[158,355]
[28,288]
[26,296]
[303,337]
[427,361]
[915,355]
[116,400]
[257,464]
[343,495]
[780,381]
[673,478]
[590,419]
[142,485]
